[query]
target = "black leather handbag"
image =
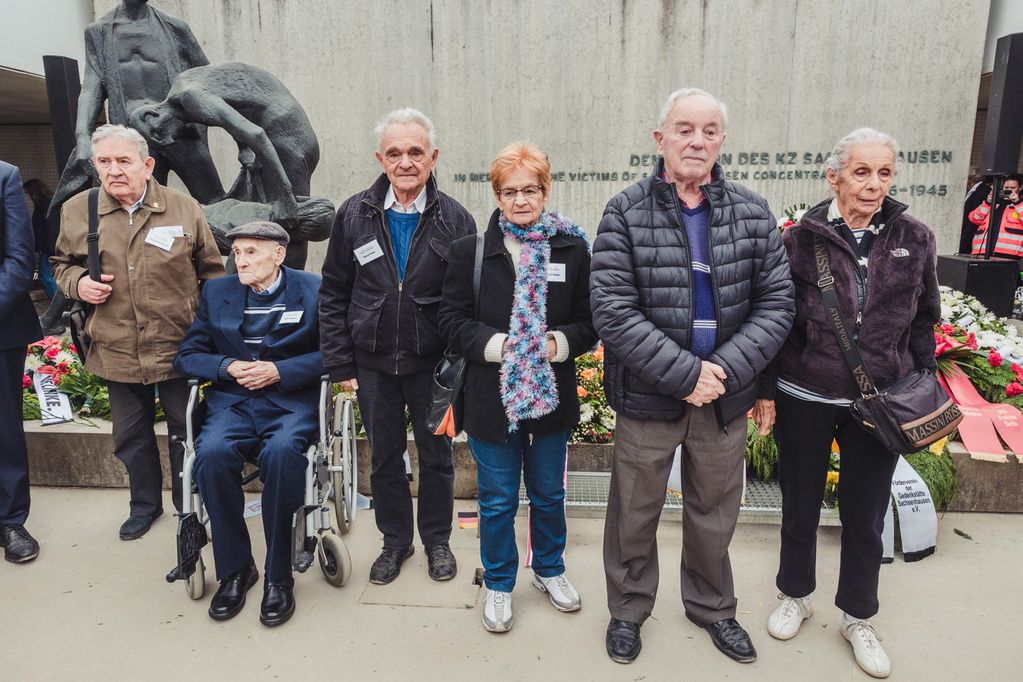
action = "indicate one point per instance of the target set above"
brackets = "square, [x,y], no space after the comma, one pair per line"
[444,415]
[78,314]
[910,414]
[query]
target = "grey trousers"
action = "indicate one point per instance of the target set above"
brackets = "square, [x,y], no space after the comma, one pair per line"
[713,465]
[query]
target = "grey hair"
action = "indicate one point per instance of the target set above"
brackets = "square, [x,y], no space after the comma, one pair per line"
[108,130]
[682,93]
[407,115]
[839,156]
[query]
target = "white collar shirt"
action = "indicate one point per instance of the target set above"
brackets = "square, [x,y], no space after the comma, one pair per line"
[391,202]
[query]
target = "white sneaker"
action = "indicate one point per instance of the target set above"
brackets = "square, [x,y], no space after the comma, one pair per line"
[561,593]
[784,623]
[497,611]
[867,648]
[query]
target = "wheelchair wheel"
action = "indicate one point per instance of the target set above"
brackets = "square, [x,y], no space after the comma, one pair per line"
[335,561]
[195,584]
[343,463]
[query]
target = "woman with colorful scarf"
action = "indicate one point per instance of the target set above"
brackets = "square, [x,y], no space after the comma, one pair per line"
[520,401]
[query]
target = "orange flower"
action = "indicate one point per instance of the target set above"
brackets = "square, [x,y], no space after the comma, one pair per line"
[589,374]
[581,392]
[599,353]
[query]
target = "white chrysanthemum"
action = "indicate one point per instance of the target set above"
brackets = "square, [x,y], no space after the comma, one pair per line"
[32,363]
[585,413]
[66,356]
[946,313]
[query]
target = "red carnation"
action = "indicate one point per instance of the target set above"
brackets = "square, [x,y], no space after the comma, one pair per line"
[971,341]
[52,352]
[947,329]
[25,381]
[1018,371]
[1014,389]
[993,358]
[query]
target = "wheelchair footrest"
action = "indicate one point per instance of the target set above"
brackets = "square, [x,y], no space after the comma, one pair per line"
[191,539]
[302,546]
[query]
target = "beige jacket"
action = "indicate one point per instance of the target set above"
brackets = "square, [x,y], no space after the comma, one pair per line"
[137,330]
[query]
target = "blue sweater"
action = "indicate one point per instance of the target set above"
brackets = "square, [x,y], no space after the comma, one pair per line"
[705,324]
[402,227]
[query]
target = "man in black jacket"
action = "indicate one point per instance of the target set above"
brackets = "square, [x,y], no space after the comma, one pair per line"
[692,297]
[381,289]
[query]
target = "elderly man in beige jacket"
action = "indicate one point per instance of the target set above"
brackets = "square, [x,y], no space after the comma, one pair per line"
[155,251]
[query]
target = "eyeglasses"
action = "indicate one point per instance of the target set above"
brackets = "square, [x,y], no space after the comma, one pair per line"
[530,193]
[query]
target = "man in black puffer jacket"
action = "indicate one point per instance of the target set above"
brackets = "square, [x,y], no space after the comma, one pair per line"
[692,297]
[379,298]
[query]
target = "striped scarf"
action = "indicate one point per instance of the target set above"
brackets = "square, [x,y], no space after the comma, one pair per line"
[528,387]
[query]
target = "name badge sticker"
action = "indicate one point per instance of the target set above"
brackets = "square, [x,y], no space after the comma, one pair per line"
[160,239]
[291,317]
[555,272]
[368,252]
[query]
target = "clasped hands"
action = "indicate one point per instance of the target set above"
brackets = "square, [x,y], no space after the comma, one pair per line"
[254,375]
[710,385]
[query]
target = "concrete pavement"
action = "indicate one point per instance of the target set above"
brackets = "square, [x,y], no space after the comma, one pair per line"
[92,607]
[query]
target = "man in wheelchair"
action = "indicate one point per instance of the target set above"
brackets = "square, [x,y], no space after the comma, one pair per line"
[255,337]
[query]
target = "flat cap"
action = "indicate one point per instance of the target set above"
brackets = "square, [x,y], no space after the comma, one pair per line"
[260,229]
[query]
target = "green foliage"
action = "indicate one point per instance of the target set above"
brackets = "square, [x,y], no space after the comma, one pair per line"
[761,452]
[939,473]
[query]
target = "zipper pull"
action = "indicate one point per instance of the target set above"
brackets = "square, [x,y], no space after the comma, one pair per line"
[859,317]
[399,287]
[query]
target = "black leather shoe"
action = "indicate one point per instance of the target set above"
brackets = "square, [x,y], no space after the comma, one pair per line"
[278,604]
[442,562]
[230,597]
[388,565]
[729,637]
[623,642]
[19,546]
[138,525]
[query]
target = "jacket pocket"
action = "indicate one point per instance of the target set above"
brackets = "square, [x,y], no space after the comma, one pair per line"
[364,318]
[428,338]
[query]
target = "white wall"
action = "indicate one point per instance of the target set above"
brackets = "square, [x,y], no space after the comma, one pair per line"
[32,28]
[584,79]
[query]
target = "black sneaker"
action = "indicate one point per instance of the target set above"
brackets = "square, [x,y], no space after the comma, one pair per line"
[19,545]
[137,525]
[441,562]
[388,565]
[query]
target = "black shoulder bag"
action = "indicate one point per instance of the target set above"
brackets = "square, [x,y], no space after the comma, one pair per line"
[913,412]
[443,417]
[80,310]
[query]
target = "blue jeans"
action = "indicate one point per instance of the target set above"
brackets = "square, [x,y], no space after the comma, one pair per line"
[542,461]
[46,276]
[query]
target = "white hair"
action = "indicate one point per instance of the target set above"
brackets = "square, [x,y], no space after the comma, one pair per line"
[839,156]
[682,93]
[407,115]
[108,130]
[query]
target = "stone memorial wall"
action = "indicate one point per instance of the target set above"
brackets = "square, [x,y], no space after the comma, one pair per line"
[585,79]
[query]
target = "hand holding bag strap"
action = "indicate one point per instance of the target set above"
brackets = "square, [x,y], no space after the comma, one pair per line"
[826,283]
[92,239]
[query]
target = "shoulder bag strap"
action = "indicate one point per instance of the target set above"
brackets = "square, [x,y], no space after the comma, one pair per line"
[826,283]
[93,237]
[477,272]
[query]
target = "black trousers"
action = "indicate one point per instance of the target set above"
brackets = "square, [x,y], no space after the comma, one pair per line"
[133,407]
[804,432]
[383,399]
[14,495]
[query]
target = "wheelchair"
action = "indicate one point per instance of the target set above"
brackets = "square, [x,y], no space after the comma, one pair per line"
[331,471]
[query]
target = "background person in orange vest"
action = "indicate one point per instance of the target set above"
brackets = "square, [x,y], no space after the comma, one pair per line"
[1009,236]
